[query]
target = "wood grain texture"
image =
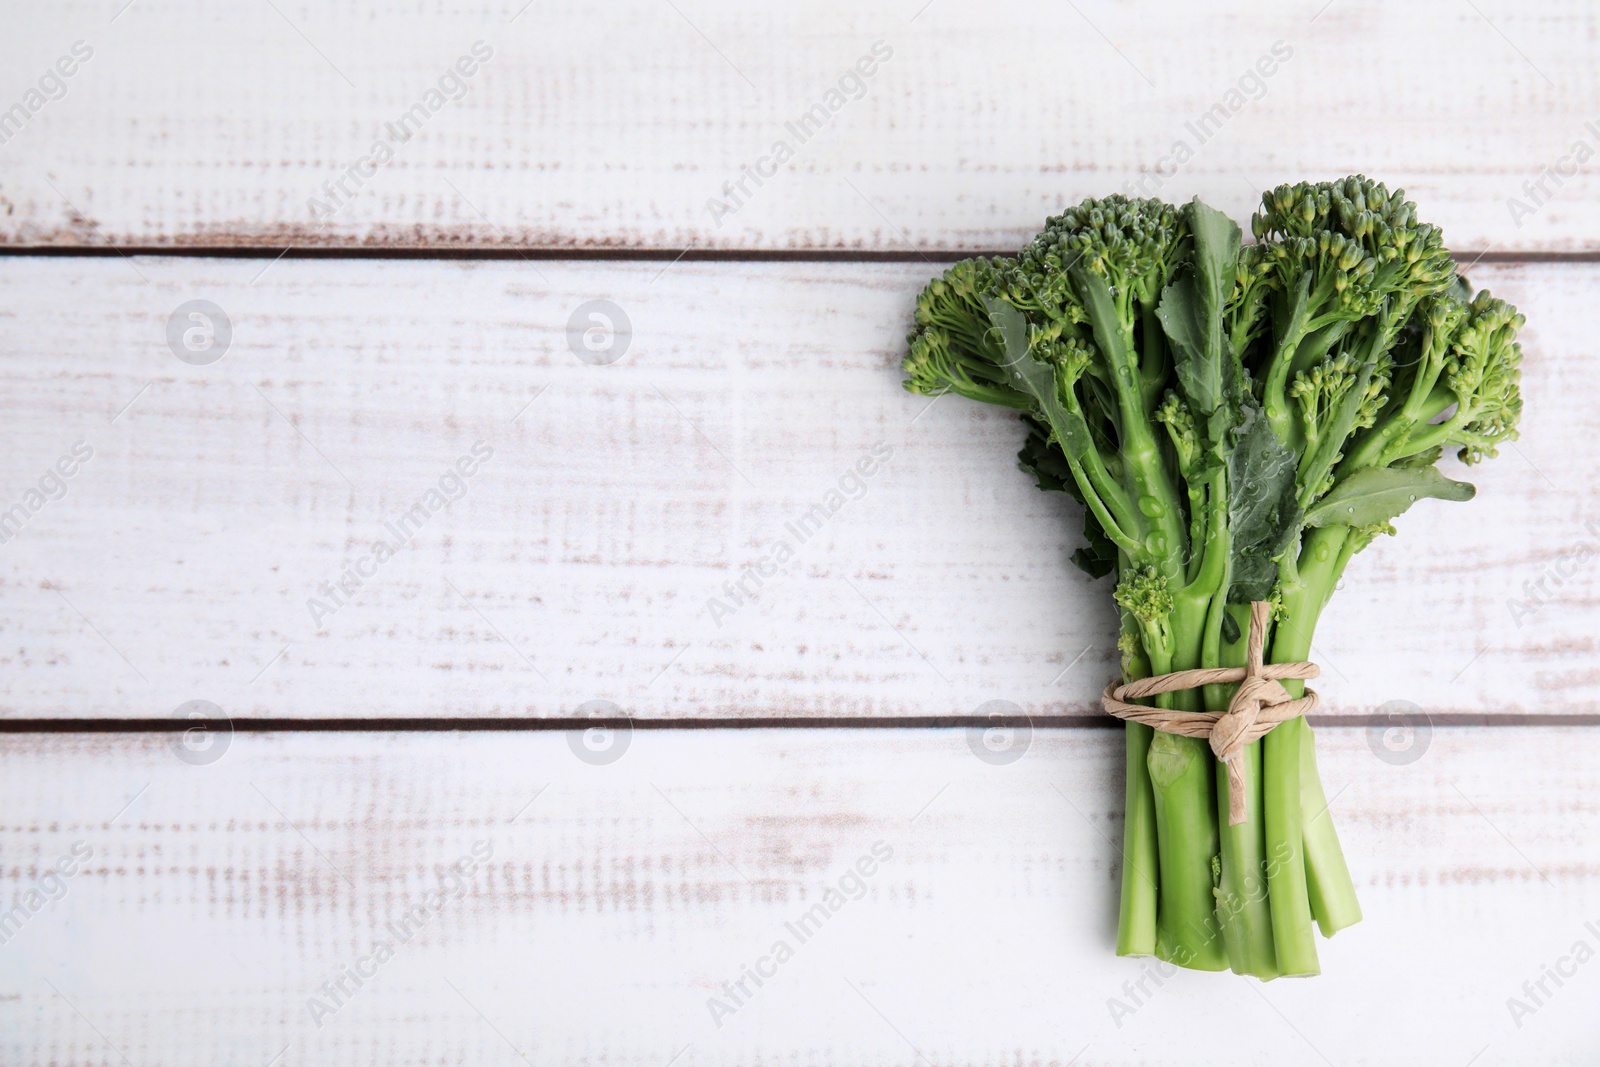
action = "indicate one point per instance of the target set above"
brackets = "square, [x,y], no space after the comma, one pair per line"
[581,561]
[617,899]
[614,127]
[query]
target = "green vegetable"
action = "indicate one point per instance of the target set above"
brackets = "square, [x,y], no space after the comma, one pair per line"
[1237,421]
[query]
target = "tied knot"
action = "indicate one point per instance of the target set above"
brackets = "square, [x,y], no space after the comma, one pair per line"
[1244,711]
[1259,704]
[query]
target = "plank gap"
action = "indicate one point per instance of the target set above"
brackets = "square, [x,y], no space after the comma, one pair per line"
[480,724]
[1468,257]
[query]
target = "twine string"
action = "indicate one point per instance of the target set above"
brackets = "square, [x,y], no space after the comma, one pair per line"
[1260,703]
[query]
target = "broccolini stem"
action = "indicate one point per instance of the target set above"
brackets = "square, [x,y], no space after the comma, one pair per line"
[1242,909]
[1287,840]
[1089,485]
[1136,915]
[1197,529]
[1122,522]
[1331,893]
[1157,501]
[1155,365]
[1328,885]
[1290,904]
[1186,827]
[1145,470]
[1222,653]
[1184,786]
[1436,434]
[1318,461]
[1214,554]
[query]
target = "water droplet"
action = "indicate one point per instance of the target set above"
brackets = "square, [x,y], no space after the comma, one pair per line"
[1322,553]
[1151,507]
[1156,544]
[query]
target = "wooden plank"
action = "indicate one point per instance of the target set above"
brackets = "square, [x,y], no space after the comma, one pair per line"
[591,557]
[616,899]
[198,124]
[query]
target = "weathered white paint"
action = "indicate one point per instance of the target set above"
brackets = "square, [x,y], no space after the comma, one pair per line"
[619,898]
[580,562]
[217,124]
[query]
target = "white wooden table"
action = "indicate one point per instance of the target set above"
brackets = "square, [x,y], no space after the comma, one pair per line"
[398,217]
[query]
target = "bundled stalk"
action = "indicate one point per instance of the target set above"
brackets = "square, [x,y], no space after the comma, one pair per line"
[1237,421]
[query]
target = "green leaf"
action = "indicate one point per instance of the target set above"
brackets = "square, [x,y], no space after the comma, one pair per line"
[1263,516]
[1426,458]
[1378,494]
[1013,329]
[1191,314]
[1183,318]
[1216,253]
[1036,379]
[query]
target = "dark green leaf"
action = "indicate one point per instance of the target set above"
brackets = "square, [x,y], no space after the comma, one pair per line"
[1042,458]
[1098,558]
[1378,494]
[1260,482]
[1254,574]
[1045,460]
[1263,516]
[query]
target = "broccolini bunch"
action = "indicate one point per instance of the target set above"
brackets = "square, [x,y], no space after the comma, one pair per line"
[1237,421]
